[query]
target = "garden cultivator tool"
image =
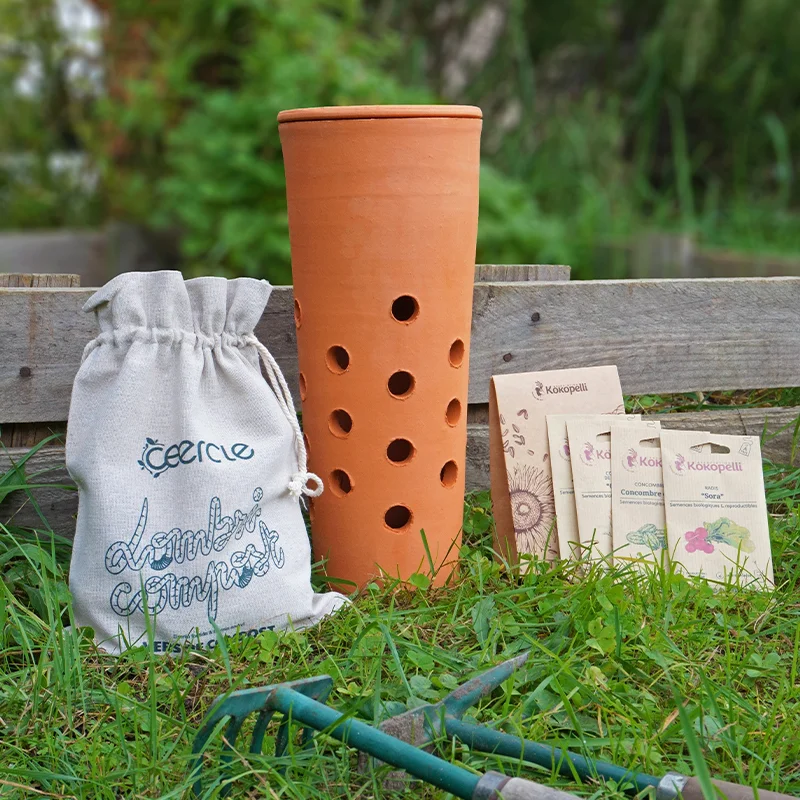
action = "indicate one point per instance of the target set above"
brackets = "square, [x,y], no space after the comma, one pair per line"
[303,702]
[398,740]
[423,725]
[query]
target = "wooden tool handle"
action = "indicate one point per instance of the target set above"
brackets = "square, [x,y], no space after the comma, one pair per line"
[732,791]
[494,786]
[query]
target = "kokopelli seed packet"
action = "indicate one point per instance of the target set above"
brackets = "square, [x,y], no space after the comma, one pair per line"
[590,448]
[519,452]
[563,487]
[637,493]
[716,511]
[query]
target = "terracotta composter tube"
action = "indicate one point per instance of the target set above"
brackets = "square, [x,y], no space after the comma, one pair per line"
[383,216]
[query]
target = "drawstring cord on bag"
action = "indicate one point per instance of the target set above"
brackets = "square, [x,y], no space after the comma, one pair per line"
[298,485]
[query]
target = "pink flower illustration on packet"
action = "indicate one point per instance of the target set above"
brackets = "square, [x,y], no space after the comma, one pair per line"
[698,540]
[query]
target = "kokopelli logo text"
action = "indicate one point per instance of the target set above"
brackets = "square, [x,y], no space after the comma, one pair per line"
[632,459]
[158,458]
[591,455]
[540,391]
[681,466]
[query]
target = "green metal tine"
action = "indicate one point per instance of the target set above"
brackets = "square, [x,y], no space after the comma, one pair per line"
[469,693]
[261,728]
[397,741]
[297,701]
[238,706]
[282,740]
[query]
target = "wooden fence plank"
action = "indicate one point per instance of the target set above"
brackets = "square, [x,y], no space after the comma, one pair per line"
[60,506]
[521,272]
[44,333]
[665,336]
[27,280]
[27,434]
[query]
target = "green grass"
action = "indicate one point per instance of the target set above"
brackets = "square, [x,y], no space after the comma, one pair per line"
[629,668]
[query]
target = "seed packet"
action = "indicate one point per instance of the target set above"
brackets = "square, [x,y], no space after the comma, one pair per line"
[590,448]
[637,493]
[519,453]
[563,487]
[716,511]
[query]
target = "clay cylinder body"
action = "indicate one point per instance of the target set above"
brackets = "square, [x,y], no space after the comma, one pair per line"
[383,214]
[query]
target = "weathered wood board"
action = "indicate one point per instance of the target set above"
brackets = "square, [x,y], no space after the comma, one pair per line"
[665,336]
[43,334]
[493,273]
[60,506]
[28,280]
[27,434]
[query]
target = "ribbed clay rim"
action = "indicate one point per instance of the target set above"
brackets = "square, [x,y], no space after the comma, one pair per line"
[377,112]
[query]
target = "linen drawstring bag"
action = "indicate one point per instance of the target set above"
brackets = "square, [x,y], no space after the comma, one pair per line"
[189,466]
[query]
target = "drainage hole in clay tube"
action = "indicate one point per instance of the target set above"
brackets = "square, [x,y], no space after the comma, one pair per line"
[337,359]
[401,384]
[340,483]
[340,423]
[397,518]
[405,308]
[303,386]
[298,314]
[453,414]
[400,451]
[449,474]
[456,353]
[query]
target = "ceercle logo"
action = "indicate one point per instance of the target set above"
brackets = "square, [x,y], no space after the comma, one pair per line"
[539,390]
[563,451]
[156,458]
[631,460]
[680,466]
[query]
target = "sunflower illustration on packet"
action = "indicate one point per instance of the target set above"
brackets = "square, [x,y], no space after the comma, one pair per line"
[520,457]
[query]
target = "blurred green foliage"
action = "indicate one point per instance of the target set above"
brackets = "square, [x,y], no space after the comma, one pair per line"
[618,115]
[601,118]
[206,156]
[39,186]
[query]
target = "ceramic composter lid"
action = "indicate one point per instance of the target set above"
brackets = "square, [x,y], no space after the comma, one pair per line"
[377,112]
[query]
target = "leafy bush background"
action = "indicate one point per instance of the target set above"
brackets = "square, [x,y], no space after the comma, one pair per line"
[601,118]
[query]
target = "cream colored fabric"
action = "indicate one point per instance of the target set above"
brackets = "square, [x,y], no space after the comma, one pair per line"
[189,466]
